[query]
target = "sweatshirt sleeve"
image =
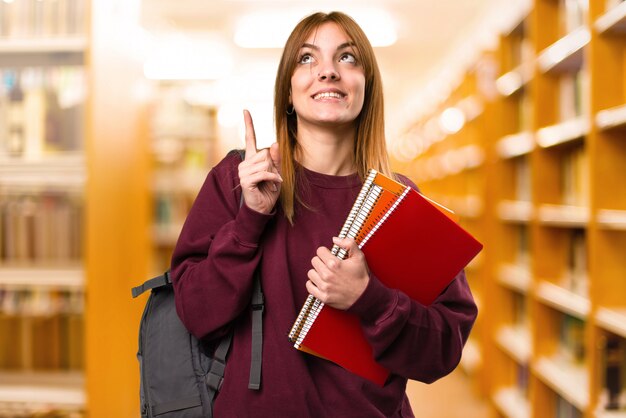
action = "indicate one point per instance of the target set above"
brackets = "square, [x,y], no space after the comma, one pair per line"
[418,342]
[415,341]
[217,253]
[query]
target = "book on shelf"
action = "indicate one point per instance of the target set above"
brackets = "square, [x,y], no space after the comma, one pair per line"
[522,378]
[410,243]
[571,339]
[524,112]
[564,409]
[613,368]
[574,176]
[573,14]
[573,95]
[46,329]
[522,252]
[24,19]
[576,276]
[42,110]
[523,183]
[42,228]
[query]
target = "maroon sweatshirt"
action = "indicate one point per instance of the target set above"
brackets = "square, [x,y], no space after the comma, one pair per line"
[220,247]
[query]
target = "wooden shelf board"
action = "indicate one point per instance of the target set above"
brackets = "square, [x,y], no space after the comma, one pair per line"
[472,357]
[614,20]
[564,215]
[72,44]
[515,80]
[516,341]
[34,391]
[516,145]
[511,403]
[166,235]
[469,207]
[612,319]
[566,54]
[179,181]
[67,171]
[515,277]
[611,219]
[563,133]
[568,380]
[610,414]
[613,117]
[563,300]
[62,278]
[516,211]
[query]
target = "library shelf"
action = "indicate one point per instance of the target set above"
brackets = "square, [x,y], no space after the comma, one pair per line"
[516,341]
[69,278]
[515,277]
[609,414]
[467,207]
[567,216]
[614,117]
[566,54]
[516,145]
[36,392]
[166,235]
[612,319]
[65,171]
[511,403]
[471,106]
[563,300]
[564,132]
[179,181]
[52,45]
[516,211]
[515,80]
[567,379]
[614,20]
[471,359]
[611,219]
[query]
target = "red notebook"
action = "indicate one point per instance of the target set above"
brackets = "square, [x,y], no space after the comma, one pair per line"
[410,244]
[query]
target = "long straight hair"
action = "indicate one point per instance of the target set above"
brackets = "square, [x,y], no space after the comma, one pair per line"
[369,146]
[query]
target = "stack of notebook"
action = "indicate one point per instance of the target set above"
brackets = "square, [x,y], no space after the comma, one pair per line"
[410,243]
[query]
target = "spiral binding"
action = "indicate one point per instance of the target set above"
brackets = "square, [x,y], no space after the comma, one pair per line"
[361,208]
[385,216]
[367,185]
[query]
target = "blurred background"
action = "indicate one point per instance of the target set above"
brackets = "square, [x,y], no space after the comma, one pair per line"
[510,112]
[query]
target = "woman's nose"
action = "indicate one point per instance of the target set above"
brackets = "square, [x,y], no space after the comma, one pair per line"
[328,73]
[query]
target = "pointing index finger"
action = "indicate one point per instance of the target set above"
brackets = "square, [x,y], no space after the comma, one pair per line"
[250,135]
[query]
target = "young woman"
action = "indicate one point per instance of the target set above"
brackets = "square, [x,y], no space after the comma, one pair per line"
[296,196]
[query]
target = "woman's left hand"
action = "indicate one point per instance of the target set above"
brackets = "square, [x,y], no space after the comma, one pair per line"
[338,283]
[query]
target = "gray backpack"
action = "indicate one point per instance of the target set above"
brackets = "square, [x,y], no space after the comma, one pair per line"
[180,376]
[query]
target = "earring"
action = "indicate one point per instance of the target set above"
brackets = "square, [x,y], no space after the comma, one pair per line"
[291,111]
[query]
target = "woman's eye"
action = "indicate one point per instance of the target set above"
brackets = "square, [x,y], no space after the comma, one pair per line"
[306,59]
[348,58]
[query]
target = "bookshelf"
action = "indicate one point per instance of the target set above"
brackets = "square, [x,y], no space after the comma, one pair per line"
[553,210]
[184,146]
[73,209]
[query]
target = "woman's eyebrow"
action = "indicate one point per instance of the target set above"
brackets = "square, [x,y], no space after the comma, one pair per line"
[315,47]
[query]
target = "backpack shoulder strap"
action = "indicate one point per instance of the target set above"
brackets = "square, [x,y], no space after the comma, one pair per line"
[258,306]
[155,282]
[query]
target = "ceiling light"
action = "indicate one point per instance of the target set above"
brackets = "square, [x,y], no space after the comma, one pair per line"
[271,29]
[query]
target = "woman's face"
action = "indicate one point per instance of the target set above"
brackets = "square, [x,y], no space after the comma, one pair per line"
[328,84]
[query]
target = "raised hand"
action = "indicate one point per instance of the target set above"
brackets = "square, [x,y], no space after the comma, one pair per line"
[259,172]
